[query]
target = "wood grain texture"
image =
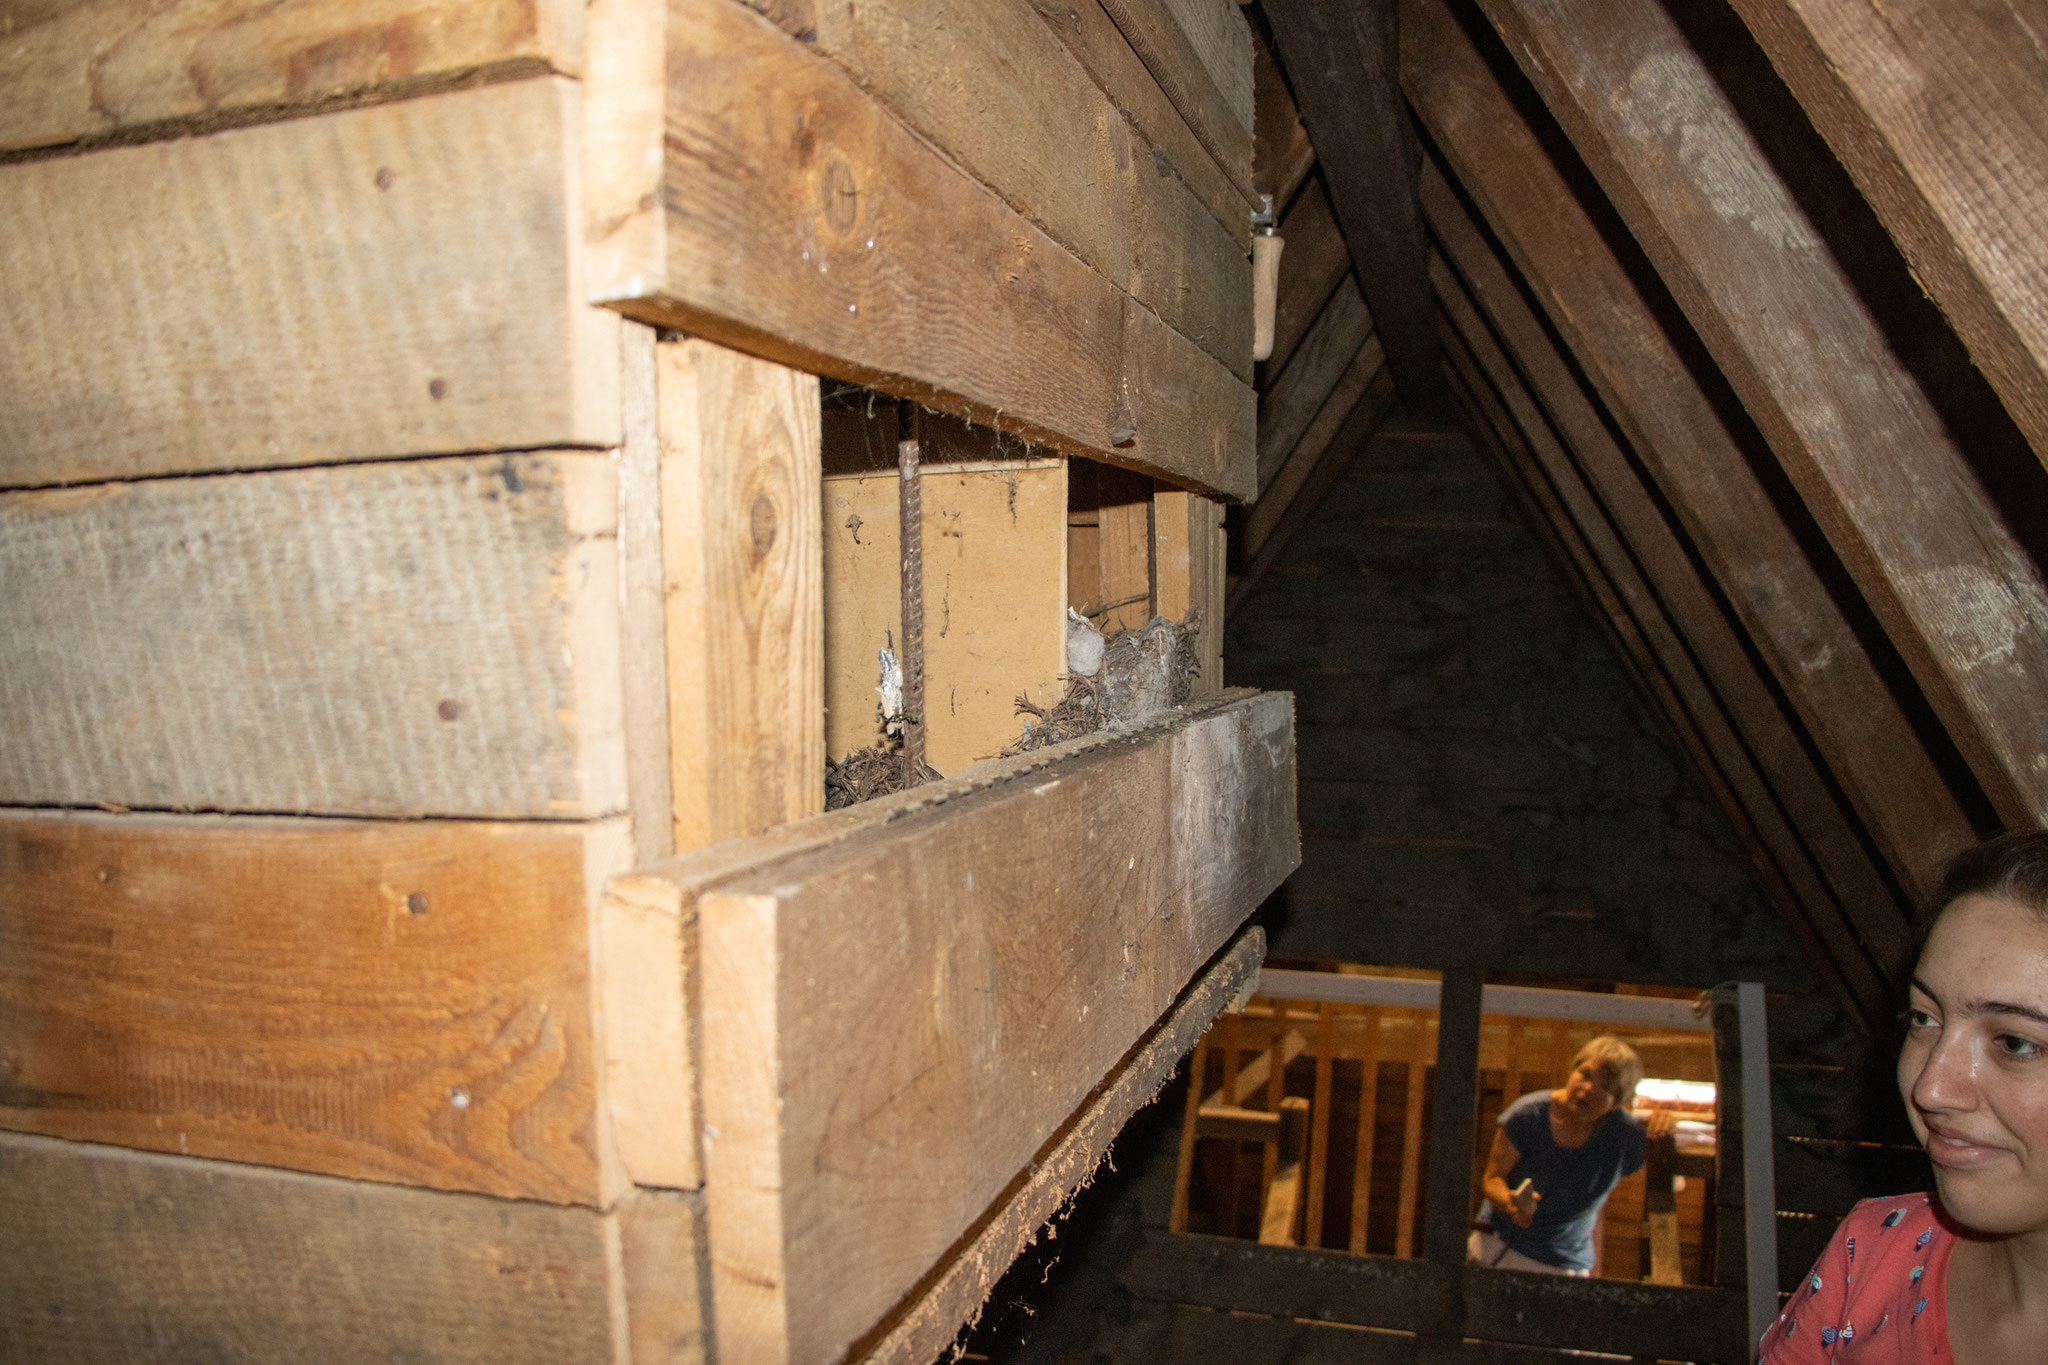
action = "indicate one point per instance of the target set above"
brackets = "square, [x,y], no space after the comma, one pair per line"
[305,292]
[420,637]
[1342,61]
[399,1002]
[1123,552]
[643,625]
[1857,436]
[1222,42]
[992,87]
[744,581]
[1940,112]
[146,1257]
[104,66]
[796,218]
[1092,36]
[1314,264]
[927,1325]
[1220,120]
[1281,151]
[994,603]
[1298,468]
[1645,385]
[1050,922]
[647,951]
[1314,371]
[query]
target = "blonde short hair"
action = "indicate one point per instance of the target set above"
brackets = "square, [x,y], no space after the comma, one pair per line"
[1617,1065]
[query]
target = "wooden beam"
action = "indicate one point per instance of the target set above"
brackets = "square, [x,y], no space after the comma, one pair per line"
[1231,1123]
[1932,553]
[1210,84]
[742,558]
[1319,1136]
[1419,1054]
[1454,1119]
[1672,676]
[826,235]
[1281,152]
[643,627]
[1801,786]
[923,1330]
[1342,60]
[1280,1214]
[1291,402]
[137,1256]
[1101,196]
[409,1001]
[1298,469]
[1313,265]
[1726,512]
[426,637]
[91,71]
[815,1143]
[1368,1113]
[1499,1306]
[303,293]
[1940,112]
[1188,571]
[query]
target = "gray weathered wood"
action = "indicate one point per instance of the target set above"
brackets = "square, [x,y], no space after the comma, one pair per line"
[310,291]
[1291,403]
[1957,593]
[430,637]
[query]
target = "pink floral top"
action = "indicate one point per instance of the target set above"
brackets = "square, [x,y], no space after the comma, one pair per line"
[1878,1294]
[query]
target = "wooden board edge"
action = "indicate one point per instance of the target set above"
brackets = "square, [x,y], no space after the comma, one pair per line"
[921,1331]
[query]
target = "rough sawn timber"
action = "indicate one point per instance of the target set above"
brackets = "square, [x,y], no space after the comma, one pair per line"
[121,1255]
[1658,405]
[1940,112]
[417,637]
[754,194]
[1858,437]
[1068,1161]
[97,68]
[894,1025]
[305,292]
[407,1001]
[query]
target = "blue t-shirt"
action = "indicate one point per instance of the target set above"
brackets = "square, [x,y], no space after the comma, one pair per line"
[1574,1181]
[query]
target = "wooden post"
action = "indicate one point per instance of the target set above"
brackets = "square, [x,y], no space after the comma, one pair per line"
[1660,1212]
[1184,1167]
[1276,1089]
[1411,1134]
[1319,1136]
[1454,1117]
[1368,1115]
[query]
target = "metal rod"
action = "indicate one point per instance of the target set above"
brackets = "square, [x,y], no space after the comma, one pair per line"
[910,529]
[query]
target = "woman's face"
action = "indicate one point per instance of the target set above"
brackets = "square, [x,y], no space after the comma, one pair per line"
[1974,1068]
[1585,1095]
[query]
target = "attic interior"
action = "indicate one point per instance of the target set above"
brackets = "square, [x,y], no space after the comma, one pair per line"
[812,681]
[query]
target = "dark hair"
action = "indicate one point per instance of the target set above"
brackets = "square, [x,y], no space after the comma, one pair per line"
[2012,867]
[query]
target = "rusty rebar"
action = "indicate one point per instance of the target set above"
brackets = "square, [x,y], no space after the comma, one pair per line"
[910,528]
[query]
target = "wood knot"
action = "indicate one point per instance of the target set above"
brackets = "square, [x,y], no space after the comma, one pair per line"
[761,524]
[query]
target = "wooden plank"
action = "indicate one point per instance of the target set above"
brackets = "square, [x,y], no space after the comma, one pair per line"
[643,629]
[1094,39]
[742,559]
[1368,1114]
[1671,674]
[146,1257]
[786,213]
[1350,440]
[1319,1134]
[1229,1123]
[91,70]
[839,1110]
[1940,112]
[1342,62]
[1419,1053]
[1501,1307]
[1276,1093]
[1955,591]
[920,1334]
[1298,393]
[304,293]
[1281,153]
[1184,1161]
[1726,512]
[1172,553]
[995,604]
[1313,265]
[407,1001]
[1660,1212]
[648,991]
[1454,1119]
[1222,42]
[1034,129]
[1280,1214]
[420,637]
[1213,96]
[1188,572]
[1878,922]
[1298,468]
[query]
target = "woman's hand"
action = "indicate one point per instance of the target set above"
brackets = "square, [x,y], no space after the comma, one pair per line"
[1515,1210]
[1662,1123]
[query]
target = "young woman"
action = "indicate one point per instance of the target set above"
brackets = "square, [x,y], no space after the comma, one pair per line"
[1573,1145]
[1960,1275]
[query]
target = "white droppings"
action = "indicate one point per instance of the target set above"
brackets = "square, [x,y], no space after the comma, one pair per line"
[459,1097]
[1979,618]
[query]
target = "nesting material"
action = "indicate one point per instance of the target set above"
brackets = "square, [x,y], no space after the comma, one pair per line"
[1143,673]
[865,773]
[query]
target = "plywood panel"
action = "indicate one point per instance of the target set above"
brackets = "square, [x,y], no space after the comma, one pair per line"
[995,602]
[403,1002]
[1047,921]
[304,292]
[95,67]
[421,637]
[787,213]
[145,1257]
